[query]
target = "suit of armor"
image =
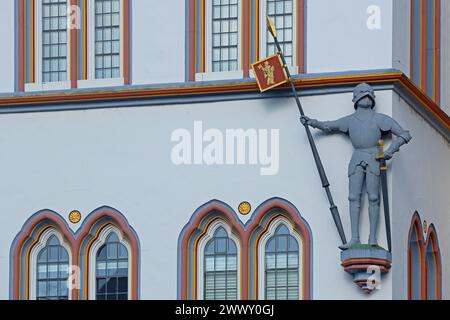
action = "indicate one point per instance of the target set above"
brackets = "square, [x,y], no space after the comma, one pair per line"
[365,128]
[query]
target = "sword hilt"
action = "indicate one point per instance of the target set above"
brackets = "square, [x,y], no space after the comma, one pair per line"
[381,155]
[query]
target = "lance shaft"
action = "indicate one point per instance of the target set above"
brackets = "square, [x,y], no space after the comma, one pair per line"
[322,174]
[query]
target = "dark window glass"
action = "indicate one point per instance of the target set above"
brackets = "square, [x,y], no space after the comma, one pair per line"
[112,270]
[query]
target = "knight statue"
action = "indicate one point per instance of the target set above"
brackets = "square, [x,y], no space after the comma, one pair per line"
[365,127]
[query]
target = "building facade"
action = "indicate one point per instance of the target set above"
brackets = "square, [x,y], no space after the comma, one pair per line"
[132,130]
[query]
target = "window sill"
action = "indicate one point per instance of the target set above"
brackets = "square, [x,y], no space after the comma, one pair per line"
[222,75]
[100,83]
[48,86]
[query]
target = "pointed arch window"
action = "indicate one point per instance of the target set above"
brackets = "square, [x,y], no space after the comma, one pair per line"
[282,266]
[433,273]
[424,263]
[52,271]
[416,244]
[220,265]
[112,270]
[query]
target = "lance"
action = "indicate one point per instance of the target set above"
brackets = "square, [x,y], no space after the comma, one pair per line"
[323,177]
[384,189]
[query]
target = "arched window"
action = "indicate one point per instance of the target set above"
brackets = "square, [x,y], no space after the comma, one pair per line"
[280,262]
[267,258]
[415,259]
[220,267]
[52,268]
[112,270]
[103,257]
[282,266]
[432,266]
[111,261]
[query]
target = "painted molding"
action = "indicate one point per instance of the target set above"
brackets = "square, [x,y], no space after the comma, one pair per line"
[425,48]
[262,217]
[205,92]
[431,245]
[28,36]
[80,243]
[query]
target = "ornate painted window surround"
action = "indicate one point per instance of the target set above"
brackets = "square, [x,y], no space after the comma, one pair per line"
[78,44]
[420,250]
[251,25]
[426,47]
[80,243]
[249,236]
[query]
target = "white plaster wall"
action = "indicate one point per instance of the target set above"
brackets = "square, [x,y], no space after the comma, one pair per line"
[121,158]
[445,59]
[421,181]
[338,38]
[401,41]
[158,45]
[7,55]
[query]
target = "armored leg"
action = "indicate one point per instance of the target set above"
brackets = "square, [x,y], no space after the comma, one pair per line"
[373,191]
[356,181]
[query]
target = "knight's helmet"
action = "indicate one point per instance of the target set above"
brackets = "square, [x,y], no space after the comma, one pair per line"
[361,91]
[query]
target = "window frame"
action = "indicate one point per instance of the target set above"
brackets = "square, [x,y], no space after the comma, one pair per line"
[38,85]
[96,245]
[92,81]
[209,74]
[34,253]
[262,256]
[201,254]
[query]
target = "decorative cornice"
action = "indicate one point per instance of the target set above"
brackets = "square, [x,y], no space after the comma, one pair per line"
[192,92]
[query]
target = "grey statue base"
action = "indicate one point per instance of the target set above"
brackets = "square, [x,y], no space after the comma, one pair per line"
[366,264]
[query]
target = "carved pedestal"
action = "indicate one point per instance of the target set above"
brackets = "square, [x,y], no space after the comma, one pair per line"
[366,264]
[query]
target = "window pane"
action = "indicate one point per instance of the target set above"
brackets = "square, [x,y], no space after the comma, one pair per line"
[52,271]
[112,270]
[220,265]
[123,285]
[42,289]
[282,266]
[54,44]
[225,20]
[281,12]
[101,285]
[107,41]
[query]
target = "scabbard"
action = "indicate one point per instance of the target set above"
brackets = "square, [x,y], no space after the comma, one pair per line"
[384,190]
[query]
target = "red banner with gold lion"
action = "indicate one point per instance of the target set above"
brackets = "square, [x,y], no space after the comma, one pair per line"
[269,72]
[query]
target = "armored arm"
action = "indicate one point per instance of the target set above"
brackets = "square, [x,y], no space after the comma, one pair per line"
[402,136]
[339,125]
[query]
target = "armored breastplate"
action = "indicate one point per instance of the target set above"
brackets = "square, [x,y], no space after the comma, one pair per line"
[364,131]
